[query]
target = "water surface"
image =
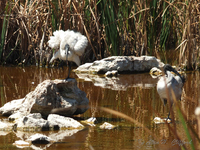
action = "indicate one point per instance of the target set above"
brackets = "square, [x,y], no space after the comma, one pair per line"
[132,94]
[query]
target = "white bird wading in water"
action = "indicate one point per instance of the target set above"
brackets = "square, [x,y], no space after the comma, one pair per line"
[170,85]
[71,46]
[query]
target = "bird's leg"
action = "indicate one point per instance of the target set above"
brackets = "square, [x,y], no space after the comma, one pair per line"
[69,69]
[169,112]
[68,63]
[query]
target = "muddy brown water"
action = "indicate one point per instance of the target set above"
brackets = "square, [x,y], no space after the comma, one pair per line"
[132,94]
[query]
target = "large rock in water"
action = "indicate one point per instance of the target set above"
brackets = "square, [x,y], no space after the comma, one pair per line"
[61,97]
[35,122]
[121,64]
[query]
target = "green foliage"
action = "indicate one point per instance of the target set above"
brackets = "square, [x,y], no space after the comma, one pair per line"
[4,30]
[108,19]
[113,27]
[55,14]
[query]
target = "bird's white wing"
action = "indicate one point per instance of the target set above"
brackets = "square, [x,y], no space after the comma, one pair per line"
[175,84]
[177,87]
[55,40]
[76,41]
[81,44]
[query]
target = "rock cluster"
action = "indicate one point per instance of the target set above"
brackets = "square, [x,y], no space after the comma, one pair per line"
[48,107]
[61,97]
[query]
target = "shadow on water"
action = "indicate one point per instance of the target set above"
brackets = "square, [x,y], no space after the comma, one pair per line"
[134,95]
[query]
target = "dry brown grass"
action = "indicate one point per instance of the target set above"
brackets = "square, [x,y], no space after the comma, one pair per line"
[112,28]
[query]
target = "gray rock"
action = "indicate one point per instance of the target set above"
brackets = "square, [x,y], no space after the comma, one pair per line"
[17,115]
[5,126]
[60,97]
[12,106]
[121,64]
[32,122]
[51,96]
[63,122]
[35,122]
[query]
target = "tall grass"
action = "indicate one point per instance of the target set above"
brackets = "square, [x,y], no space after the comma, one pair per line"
[112,27]
[2,92]
[108,17]
[4,29]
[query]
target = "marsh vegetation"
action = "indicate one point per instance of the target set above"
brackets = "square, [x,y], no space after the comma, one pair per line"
[112,28]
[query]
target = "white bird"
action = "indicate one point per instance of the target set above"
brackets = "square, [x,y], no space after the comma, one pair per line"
[170,86]
[71,46]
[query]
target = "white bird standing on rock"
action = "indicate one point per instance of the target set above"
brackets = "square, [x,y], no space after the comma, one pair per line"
[71,46]
[170,85]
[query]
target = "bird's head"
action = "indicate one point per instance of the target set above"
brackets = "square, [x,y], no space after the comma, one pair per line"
[168,67]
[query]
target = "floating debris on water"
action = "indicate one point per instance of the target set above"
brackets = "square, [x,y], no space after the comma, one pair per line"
[90,121]
[107,125]
[159,120]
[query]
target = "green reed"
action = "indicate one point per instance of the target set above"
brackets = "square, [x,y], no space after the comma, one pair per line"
[108,19]
[2,92]
[183,121]
[113,27]
[4,30]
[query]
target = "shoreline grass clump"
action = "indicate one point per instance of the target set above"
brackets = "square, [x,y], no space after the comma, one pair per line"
[112,28]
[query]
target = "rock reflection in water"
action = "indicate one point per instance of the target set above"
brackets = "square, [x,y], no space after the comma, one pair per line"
[57,137]
[122,82]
